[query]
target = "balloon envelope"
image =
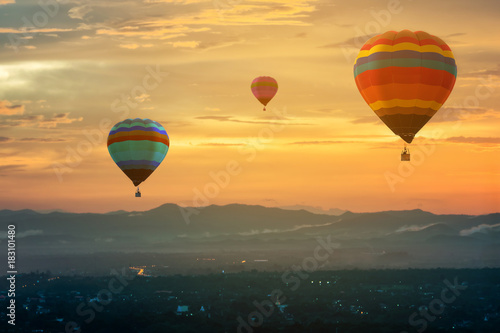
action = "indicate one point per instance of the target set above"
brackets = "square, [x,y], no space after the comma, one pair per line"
[138,146]
[405,77]
[264,88]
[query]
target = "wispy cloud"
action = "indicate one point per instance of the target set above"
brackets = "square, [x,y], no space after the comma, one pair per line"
[474,140]
[221,144]
[366,120]
[295,228]
[234,120]
[326,142]
[482,228]
[185,44]
[7,108]
[414,228]
[11,168]
[354,42]
[45,140]
[455,113]
[482,73]
[22,234]
[40,121]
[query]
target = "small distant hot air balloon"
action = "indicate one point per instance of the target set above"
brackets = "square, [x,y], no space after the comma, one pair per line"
[138,146]
[264,88]
[405,77]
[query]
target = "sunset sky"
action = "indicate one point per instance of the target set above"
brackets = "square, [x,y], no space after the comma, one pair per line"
[72,69]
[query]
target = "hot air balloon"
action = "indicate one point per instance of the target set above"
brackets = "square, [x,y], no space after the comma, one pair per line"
[138,146]
[264,88]
[405,77]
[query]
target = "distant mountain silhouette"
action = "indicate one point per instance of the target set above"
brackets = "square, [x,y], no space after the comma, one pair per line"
[315,210]
[235,227]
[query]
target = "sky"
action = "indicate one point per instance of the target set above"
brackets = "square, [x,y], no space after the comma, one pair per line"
[69,70]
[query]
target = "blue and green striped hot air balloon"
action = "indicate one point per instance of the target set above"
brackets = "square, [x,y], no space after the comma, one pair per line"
[138,146]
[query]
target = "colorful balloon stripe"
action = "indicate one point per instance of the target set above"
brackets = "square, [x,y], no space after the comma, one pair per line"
[126,147]
[404,54]
[405,46]
[405,77]
[406,62]
[138,128]
[139,155]
[406,91]
[405,103]
[137,162]
[423,42]
[138,165]
[137,138]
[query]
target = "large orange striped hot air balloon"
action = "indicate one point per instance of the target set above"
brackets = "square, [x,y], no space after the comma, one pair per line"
[264,88]
[405,77]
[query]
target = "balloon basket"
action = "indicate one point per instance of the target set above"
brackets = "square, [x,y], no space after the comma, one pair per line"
[405,157]
[138,193]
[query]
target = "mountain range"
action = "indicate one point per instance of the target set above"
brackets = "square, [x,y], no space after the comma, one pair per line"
[412,238]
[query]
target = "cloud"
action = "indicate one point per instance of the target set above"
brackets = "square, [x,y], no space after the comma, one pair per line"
[354,42]
[6,108]
[129,46]
[231,119]
[294,228]
[79,12]
[220,144]
[366,120]
[32,30]
[415,228]
[228,41]
[331,142]
[482,73]
[4,139]
[185,44]
[22,234]
[474,140]
[44,140]
[459,113]
[147,30]
[482,228]
[11,168]
[40,121]
[455,34]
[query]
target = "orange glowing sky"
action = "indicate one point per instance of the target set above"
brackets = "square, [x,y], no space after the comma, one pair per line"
[83,62]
